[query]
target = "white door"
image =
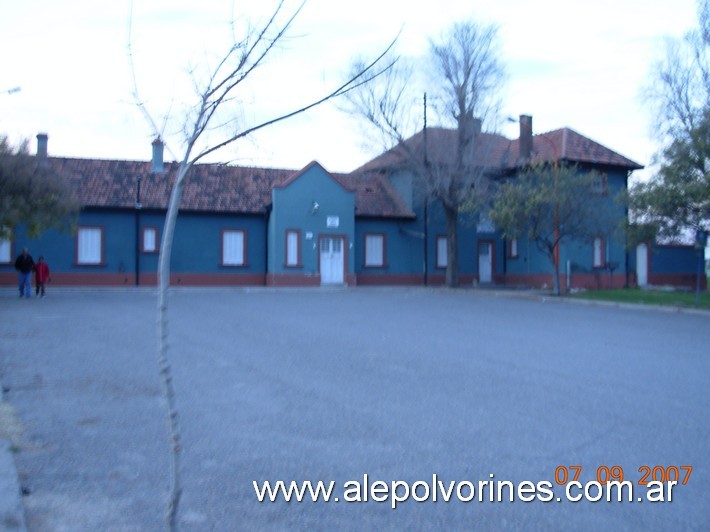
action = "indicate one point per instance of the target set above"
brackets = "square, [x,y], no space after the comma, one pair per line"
[642,264]
[485,262]
[331,260]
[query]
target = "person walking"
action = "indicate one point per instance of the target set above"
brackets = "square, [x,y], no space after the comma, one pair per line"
[41,275]
[24,266]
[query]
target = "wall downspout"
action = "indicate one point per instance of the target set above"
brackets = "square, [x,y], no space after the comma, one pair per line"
[266,247]
[626,238]
[426,243]
[138,230]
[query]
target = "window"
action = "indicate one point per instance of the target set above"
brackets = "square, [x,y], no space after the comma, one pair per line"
[6,250]
[599,184]
[485,224]
[90,245]
[598,246]
[441,245]
[150,240]
[513,248]
[293,248]
[374,250]
[233,247]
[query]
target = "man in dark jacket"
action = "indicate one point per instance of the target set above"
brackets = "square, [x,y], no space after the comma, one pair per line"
[24,266]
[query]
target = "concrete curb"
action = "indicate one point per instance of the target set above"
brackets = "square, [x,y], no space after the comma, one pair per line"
[547,298]
[12,513]
[527,294]
[638,306]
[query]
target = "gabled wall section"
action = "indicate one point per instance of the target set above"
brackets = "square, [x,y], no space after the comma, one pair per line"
[312,205]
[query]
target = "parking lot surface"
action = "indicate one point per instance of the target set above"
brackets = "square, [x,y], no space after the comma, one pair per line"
[332,385]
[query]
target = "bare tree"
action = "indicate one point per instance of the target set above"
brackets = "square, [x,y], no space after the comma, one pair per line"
[466,75]
[677,199]
[679,90]
[207,116]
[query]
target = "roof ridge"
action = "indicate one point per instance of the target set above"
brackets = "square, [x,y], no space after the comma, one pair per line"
[100,160]
[556,130]
[314,164]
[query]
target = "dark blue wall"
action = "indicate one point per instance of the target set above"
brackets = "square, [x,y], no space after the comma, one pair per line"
[404,249]
[196,248]
[674,259]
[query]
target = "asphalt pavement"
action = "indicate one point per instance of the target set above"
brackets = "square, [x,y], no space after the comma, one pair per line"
[309,384]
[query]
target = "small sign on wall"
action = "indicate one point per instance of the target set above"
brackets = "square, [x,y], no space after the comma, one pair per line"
[309,235]
[332,221]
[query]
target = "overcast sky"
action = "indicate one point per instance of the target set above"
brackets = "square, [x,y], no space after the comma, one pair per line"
[572,63]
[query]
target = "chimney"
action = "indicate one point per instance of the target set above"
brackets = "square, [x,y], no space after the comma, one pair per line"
[476,125]
[526,137]
[42,139]
[158,156]
[472,126]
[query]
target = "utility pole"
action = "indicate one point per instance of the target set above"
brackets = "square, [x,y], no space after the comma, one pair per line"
[426,202]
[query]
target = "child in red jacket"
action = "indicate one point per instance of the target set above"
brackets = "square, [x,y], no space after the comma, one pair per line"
[41,275]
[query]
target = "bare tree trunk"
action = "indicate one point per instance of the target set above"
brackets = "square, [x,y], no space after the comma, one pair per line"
[452,262]
[556,269]
[234,68]
[162,352]
[556,280]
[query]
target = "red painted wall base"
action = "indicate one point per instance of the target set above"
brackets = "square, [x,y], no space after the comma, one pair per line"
[589,281]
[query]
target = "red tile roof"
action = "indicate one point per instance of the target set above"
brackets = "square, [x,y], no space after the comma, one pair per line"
[498,152]
[239,189]
[568,145]
[375,197]
[441,146]
[208,187]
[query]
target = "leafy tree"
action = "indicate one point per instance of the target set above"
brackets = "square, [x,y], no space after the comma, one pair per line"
[31,194]
[549,205]
[465,77]
[678,197]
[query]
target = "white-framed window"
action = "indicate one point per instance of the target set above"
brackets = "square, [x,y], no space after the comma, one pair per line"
[293,247]
[150,240]
[6,249]
[441,253]
[598,248]
[374,250]
[513,248]
[89,245]
[233,247]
